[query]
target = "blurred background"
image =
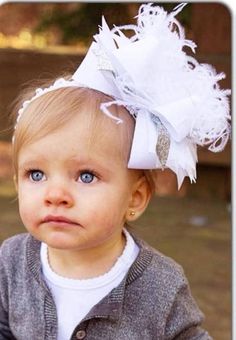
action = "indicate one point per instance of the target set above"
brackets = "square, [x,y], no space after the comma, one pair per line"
[193,225]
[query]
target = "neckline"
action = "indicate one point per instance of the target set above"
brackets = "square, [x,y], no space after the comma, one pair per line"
[122,264]
[33,246]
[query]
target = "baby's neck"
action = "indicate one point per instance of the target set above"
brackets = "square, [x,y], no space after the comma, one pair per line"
[86,263]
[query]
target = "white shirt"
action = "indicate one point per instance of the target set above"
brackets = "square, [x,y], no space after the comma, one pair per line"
[75,298]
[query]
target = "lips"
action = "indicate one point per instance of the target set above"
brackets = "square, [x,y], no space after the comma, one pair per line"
[58,220]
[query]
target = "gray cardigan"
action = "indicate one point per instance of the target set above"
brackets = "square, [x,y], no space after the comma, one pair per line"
[152,302]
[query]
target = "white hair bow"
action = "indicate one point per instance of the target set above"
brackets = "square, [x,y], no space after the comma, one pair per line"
[176,102]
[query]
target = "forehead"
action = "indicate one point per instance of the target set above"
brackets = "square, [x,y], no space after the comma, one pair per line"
[69,118]
[82,137]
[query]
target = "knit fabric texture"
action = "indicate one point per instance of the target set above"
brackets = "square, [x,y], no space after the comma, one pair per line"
[152,302]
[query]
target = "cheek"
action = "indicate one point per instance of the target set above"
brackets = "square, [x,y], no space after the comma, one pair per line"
[27,214]
[27,208]
[107,208]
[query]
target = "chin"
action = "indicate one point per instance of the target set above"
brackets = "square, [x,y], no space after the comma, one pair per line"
[57,241]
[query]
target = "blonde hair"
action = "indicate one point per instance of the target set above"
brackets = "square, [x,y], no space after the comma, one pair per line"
[54,109]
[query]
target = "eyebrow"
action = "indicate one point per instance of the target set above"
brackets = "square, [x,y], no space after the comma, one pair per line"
[89,162]
[29,163]
[32,158]
[81,162]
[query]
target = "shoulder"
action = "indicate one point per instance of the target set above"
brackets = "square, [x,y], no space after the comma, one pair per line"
[162,289]
[19,259]
[167,268]
[161,267]
[13,252]
[160,279]
[13,246]
[12,263]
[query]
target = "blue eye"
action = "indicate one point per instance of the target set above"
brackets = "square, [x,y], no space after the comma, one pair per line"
[86,177]
[36,175]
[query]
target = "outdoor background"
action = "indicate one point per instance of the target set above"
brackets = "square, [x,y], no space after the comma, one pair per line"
[193,226]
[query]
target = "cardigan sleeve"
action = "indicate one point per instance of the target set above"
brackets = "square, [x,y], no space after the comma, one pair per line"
[5,332]
[185,318]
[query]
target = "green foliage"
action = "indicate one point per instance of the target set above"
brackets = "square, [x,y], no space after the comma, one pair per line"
[80,22]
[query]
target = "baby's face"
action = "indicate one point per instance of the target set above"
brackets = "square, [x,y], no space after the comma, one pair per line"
[74,189]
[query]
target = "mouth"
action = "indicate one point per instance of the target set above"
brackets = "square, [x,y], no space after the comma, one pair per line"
[59,220]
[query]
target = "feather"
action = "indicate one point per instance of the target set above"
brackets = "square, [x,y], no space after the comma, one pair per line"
[151,75]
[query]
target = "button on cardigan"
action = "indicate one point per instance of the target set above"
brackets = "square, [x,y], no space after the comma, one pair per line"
[153,302]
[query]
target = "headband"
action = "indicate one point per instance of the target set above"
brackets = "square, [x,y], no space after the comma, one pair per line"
[176,102]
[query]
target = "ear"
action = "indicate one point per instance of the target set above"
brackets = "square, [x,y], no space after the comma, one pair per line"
[139,200]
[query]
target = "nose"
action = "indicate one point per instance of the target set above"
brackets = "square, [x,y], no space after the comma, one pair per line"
[58,195]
